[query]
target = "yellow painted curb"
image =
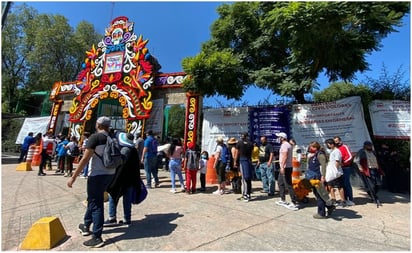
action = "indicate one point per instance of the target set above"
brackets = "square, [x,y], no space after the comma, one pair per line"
[44,234]
[24,167]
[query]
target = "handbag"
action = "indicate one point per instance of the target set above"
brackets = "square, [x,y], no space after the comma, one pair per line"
[332,172]
[137,199]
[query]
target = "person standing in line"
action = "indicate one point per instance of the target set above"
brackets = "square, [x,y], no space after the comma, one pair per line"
[126,180]
[61,154]
[175,153]
[347,169]
[255,162]
[204,157]
[45,142]
[371,173]
[97,182]
[243,160]
[317,170]
[266,166]
[149,159]
[335,159]
[70,156]
[285,173]
[140,145]
[28,140]
[86,136]
[220,167]
[191,165]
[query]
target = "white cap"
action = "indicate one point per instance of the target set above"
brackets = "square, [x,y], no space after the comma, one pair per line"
[282,134]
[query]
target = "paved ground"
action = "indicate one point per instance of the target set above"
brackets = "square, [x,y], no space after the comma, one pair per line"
[204,221]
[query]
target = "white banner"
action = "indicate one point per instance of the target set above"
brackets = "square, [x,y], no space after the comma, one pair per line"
[224,122]
[321,121]
[35,125]
[155,121]
[391,119]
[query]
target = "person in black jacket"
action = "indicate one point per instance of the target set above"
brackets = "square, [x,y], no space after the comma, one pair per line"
[126,181]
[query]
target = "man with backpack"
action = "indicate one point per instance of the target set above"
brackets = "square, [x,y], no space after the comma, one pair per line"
[99,179]
[149,159]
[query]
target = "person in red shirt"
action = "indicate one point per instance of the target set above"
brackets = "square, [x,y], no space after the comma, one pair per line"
[347,169]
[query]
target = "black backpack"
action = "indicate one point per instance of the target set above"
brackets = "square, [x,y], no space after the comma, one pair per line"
[111,158]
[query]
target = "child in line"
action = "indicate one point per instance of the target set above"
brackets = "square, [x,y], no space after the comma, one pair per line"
[204,157]
[191,165]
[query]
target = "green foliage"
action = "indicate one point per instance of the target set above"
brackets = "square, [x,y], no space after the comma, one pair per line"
[37,51]
[283,46]
[176,124]
[10,129]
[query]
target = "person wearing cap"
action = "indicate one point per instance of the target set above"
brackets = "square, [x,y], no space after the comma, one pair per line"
[97,182]
[367,163]
[126,180]
[285,173]
[243,161]
[233,175]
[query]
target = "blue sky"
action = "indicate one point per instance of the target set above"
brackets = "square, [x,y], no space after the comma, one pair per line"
[176,30]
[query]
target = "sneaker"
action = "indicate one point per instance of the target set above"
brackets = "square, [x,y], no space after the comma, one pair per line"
[292,206]
[94,243]
[85,231]
[318,216]
[281,203]
[218,192]
[246,198]
[110,222]
[202,189]
[350,203]
[173,191]
[128,223]
[271,194]
[330,209]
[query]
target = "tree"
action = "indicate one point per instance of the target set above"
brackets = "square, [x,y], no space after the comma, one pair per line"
[176,124]
[15,50]
[37,51]
[283,46]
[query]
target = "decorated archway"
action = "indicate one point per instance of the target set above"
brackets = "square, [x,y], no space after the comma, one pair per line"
[119,73]
[119,68]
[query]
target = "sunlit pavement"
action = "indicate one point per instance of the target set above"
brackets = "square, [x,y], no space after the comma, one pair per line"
[204,221]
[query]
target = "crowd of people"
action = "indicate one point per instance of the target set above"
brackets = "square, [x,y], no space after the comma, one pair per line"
[241,162]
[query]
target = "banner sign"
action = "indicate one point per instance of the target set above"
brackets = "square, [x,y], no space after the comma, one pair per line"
[35,125]
[224,122]
[391,119]
[267,121]
[321,121]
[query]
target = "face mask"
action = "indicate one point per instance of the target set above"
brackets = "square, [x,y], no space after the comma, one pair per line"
[203,157]
[312,150]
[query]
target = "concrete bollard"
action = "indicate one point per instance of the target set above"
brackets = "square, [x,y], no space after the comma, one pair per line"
[44,234]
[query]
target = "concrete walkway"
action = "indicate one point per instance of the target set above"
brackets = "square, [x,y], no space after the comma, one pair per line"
[204,221]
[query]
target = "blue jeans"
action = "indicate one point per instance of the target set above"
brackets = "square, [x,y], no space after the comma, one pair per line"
[175,167]
[127,206]
[150,168]
[347,187]
[96,186]
[268,177]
